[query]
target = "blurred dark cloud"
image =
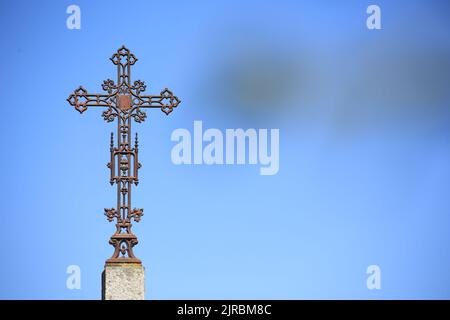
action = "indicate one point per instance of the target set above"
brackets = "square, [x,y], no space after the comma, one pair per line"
[258,82]
[255,76]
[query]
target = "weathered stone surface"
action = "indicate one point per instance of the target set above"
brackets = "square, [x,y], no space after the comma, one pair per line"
[123,282]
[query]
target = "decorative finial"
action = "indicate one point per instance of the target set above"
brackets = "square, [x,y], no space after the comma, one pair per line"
[136,141]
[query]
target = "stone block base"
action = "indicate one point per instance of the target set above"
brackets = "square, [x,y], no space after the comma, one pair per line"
[124,281]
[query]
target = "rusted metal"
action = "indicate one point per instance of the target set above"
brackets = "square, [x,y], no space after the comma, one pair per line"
[123,101]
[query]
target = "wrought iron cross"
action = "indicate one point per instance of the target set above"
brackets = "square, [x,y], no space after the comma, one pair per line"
[124,100]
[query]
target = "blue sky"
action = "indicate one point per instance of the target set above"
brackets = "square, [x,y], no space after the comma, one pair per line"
[364,150]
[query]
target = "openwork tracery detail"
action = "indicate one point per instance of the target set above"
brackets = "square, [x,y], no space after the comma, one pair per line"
[124,100]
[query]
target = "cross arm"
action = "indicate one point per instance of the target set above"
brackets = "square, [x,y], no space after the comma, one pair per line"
[165,101]
[81,100]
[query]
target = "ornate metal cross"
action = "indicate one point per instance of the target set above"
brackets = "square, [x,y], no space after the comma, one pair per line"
[124,100]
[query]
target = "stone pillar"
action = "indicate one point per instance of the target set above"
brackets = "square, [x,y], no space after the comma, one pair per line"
[123,281]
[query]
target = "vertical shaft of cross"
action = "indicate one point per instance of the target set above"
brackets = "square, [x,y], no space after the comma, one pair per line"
[124,166]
